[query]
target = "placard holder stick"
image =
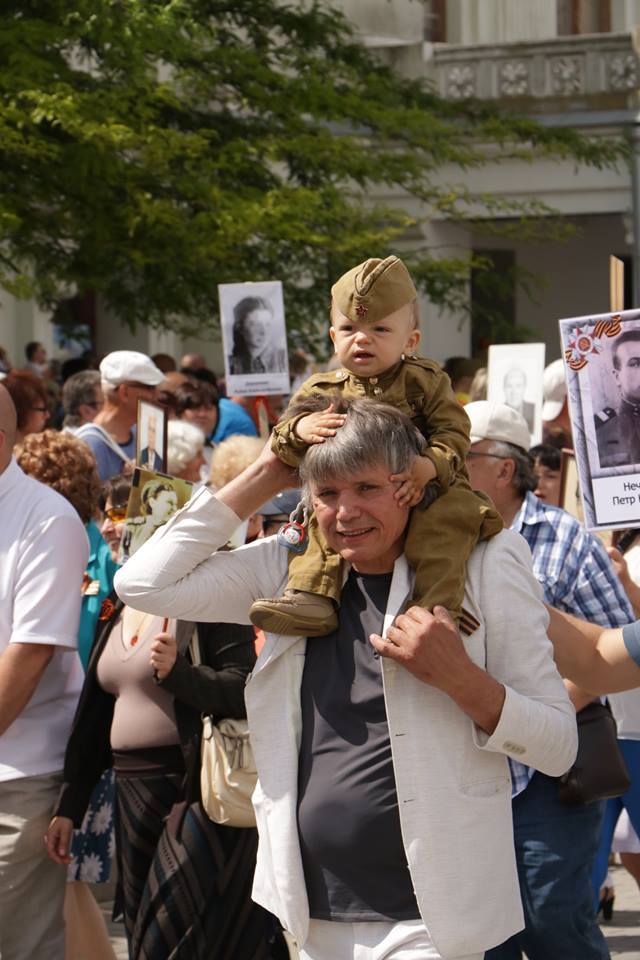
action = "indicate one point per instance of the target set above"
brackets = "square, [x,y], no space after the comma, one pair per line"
[616,285]
[261,416]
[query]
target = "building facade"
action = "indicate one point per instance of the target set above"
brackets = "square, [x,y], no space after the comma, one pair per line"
[567,62]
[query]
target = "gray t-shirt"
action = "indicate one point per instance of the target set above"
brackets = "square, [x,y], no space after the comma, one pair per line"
[354,861]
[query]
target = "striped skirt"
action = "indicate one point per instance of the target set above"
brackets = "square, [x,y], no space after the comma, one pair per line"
[186,882]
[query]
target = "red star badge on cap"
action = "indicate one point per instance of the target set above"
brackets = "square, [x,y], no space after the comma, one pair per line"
[362,310]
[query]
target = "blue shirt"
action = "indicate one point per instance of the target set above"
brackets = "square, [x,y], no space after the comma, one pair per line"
[631,637]
[109,461]
[232,419]
[575,573]
[100,568]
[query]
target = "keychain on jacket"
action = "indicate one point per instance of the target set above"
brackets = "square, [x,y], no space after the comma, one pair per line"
[293,535]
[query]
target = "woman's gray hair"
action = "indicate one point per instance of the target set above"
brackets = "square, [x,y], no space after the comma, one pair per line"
[79,388]
[184,442]
[524,479]
[373,433]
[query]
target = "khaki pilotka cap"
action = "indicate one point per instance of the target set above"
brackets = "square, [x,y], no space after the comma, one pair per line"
[373,290]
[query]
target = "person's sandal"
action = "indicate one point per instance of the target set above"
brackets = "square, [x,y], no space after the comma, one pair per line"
[607,900]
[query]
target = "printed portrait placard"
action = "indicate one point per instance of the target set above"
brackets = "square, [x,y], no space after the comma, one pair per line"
[151,437]
[514,377]
[602,363]
[254,338]
[154,498]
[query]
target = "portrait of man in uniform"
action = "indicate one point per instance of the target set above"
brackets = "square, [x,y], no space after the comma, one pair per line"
[618,428]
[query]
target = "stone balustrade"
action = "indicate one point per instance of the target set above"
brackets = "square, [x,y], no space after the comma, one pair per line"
[600,66]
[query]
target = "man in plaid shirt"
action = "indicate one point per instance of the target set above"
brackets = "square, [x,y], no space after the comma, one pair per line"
[555,843]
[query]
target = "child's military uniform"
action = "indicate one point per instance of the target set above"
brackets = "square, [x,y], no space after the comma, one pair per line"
[441,537]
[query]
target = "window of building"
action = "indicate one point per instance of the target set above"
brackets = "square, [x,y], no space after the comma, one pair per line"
[493,299]
[435,21]
[584,16]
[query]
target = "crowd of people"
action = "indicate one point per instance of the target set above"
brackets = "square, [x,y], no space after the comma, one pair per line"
[387,589]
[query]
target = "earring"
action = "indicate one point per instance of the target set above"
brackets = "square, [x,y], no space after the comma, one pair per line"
[402,357]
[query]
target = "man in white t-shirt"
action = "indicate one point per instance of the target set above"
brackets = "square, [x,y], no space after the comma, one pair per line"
[44,551]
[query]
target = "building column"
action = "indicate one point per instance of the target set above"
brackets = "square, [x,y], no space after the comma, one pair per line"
[625,15]
[500,21]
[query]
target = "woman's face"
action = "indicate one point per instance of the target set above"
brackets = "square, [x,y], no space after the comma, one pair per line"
[205,417]
[191,470]
[113,525]
[255,329]
[163,506]
[36,419]
[548,485]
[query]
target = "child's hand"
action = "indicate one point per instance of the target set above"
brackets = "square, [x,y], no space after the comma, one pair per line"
[316,427]
[412,482]
[409,493]
[164,654]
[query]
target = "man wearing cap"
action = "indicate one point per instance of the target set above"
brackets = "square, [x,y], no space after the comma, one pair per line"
[375,333]
[556,423]
[127,376]
[555,843]
[618,430]
[278,510]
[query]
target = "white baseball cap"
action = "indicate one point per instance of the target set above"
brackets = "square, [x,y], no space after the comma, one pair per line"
[554,386]
[497,421]
[129,366]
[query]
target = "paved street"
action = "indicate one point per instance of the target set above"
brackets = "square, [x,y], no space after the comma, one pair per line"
[623,933]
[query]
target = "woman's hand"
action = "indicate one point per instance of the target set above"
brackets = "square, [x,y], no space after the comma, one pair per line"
[58,839]
[316,427]
[164,654]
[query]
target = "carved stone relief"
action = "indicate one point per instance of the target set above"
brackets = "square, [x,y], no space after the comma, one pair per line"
[513,77]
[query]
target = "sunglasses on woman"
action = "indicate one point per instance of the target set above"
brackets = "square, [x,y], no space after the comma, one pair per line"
[116,514]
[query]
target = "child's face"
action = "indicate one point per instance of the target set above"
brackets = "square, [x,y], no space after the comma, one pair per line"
[368,349]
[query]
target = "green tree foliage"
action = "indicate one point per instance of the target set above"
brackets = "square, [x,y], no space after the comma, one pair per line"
[151,149]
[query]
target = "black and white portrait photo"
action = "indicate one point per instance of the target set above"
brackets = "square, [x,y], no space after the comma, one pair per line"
[154,498]
[254,338]
[602,362]
[515,378]
[615,385]
[151,445]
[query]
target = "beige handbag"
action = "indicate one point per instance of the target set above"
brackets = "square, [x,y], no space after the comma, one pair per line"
[228,773]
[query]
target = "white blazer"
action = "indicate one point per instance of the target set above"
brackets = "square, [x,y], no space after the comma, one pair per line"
[454,789]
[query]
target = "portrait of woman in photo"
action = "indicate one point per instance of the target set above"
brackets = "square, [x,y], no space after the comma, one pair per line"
[158,502]
[253,348]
